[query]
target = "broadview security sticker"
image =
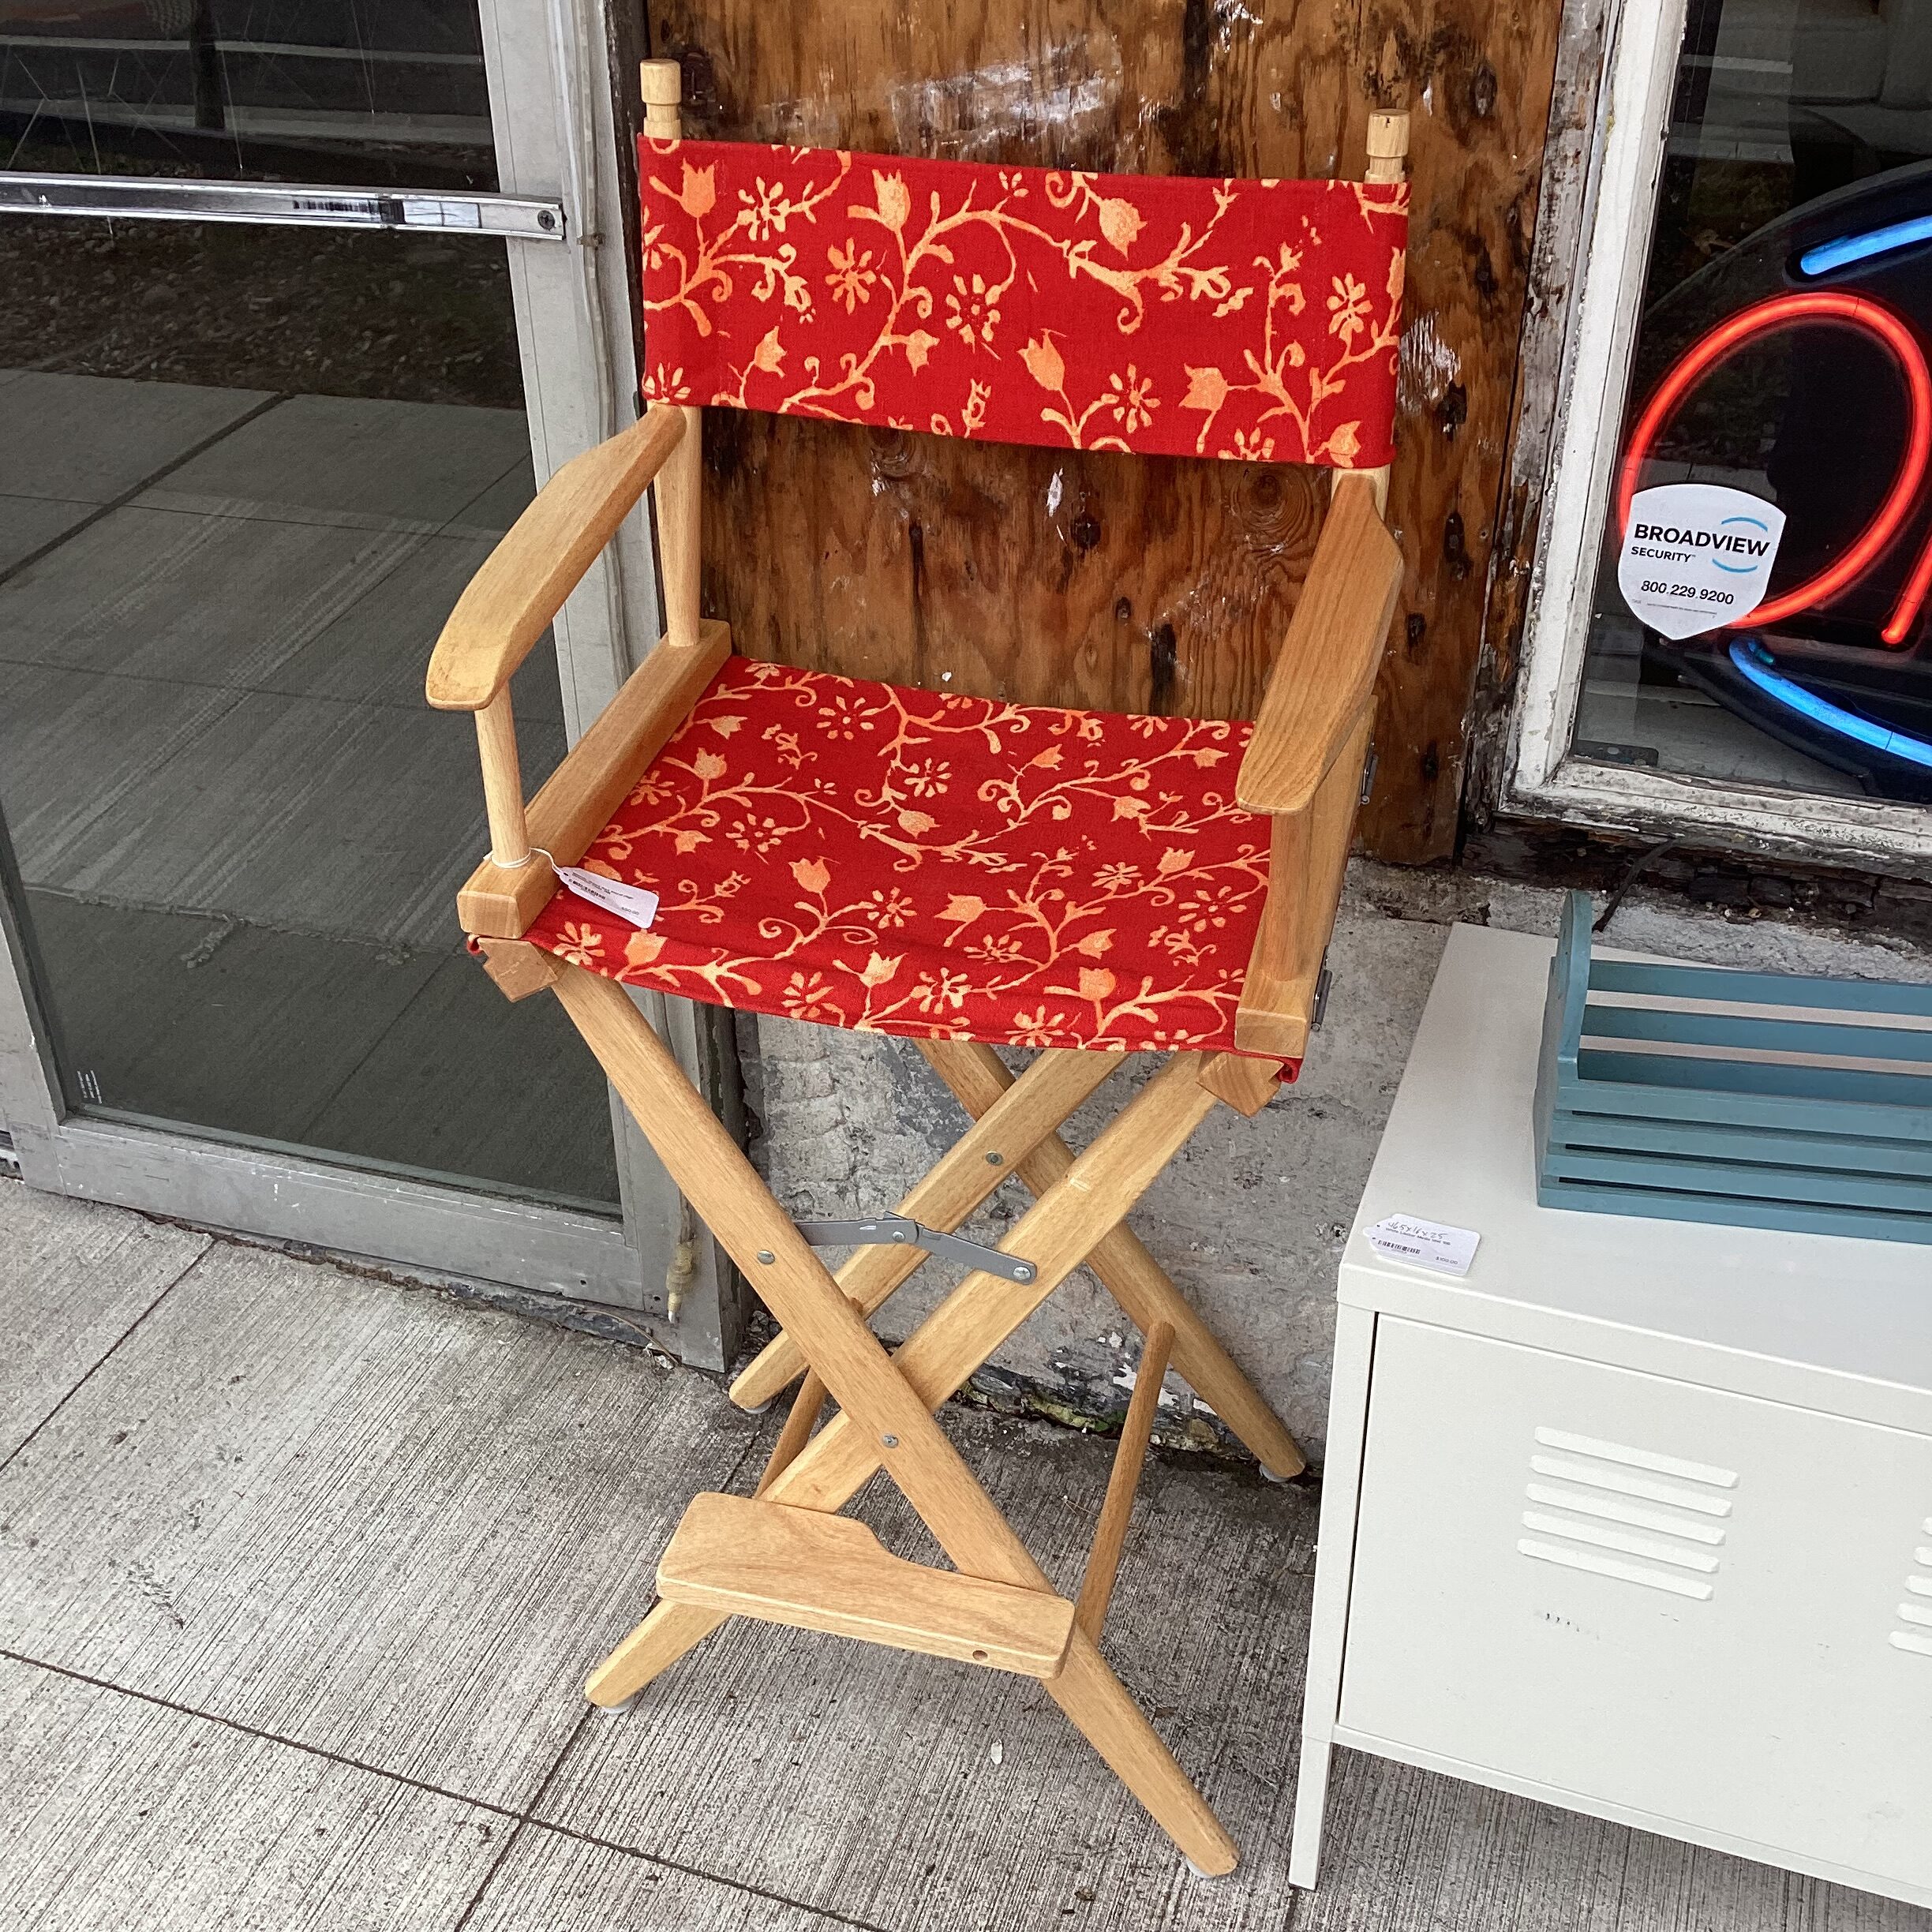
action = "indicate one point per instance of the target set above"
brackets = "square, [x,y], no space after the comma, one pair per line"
[1697,556]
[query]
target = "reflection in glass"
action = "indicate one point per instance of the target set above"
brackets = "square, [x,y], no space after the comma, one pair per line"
[244,474]
[389,94]
[1797,164]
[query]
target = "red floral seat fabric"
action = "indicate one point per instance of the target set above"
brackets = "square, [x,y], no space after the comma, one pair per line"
[907,862]
[1256,321]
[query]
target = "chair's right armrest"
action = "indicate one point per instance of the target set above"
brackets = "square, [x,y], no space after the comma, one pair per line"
[576,801]
[1303,763]
[511,601]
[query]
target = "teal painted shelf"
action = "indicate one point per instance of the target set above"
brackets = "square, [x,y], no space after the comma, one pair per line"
[1695,1093]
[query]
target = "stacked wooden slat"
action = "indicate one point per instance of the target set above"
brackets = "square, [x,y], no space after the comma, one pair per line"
[1696,1093]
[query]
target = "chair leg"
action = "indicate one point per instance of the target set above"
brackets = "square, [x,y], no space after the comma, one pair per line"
[1019,1116]
[1129,1458]
[1139,1284]
[1098,1704]
[1056,1234]
[665,1635]
[874,1395]
[797,1431]
[885,1411]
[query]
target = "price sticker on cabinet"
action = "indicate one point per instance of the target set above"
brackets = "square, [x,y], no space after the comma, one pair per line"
[1424,1244]
[1697,556]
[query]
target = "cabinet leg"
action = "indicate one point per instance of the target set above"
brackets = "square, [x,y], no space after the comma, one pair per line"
[1311,1800]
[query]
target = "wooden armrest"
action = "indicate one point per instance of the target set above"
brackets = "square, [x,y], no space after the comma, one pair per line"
[1325,671]
[499,902]
[542,558]
[1307,859]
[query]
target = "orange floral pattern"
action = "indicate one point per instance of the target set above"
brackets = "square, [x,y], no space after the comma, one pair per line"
[1255,320]
[947,867]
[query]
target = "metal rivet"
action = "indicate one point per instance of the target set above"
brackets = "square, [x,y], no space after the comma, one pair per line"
[891,1442]
[996,1160]
[766,1255]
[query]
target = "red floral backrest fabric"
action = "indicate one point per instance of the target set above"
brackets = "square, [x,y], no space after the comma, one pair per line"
[1166,315]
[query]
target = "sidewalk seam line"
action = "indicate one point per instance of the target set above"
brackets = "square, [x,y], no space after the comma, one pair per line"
[829,1913]
[254,1730]
[107,1356]
[106,510]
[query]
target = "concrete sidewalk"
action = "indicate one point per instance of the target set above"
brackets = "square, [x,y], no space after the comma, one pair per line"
[300,1575]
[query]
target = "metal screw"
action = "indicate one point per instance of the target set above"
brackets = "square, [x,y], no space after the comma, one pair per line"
[545,220]
[891,1442]
[996,1160]
[766,1255]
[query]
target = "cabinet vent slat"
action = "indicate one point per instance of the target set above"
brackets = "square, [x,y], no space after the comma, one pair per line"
[1614,1509]
[1626,1485]
[1615,1567]
[1581,1537]
[1637,1458]
[1654,1548]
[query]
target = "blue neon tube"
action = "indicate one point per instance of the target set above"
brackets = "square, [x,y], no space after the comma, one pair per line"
[1847,248]
[1755,662]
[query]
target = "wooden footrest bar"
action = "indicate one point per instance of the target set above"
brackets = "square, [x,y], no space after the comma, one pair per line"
[743,1557]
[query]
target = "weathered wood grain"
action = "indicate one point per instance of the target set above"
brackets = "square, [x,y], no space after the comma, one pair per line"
[1534,416]
[1158,586]
[1479,76]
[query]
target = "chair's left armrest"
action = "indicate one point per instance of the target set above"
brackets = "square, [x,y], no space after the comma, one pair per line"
[577,800]
[1324,673]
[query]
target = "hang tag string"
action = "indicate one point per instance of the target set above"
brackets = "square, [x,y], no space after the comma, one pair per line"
[636,905]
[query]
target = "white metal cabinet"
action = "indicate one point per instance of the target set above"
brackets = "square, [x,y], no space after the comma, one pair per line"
[1677,1600]
[1636,1517]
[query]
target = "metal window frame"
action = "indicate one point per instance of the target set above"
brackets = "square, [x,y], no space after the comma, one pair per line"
[1541,777]
[552,114]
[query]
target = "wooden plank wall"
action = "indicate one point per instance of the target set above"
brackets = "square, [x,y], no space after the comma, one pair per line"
[1097,579]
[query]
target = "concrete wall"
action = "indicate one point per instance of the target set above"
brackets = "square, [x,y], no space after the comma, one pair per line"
[1252,1218]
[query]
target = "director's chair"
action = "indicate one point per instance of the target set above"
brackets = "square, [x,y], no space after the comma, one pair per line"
[967,873]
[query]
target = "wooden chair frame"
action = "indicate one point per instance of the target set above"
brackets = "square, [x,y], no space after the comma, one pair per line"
[787,1555]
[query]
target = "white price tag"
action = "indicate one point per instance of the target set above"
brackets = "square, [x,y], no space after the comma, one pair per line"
[635,904]
[1424,1244]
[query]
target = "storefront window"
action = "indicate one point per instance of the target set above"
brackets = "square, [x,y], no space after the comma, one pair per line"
[248,470]
[1781,358]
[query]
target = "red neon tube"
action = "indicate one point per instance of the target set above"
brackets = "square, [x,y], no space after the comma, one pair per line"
[1767,318]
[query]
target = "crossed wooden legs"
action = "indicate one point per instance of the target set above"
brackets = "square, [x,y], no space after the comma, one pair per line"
[796,1567]
[1015,1139]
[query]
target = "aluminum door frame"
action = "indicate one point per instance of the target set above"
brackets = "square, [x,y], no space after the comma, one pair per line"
[557,142]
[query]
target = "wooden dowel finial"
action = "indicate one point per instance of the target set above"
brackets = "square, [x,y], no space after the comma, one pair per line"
[1388,146]
[661,83]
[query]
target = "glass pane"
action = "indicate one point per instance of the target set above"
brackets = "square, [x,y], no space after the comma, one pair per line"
[1796,185]
[244,474]
[381,95]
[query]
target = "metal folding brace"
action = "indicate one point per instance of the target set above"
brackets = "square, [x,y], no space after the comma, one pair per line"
[900,1231]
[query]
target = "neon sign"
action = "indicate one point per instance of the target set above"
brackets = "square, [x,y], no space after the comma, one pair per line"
[1747,656]
[1767,318]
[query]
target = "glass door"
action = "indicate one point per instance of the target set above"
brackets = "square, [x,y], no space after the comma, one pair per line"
[262,412]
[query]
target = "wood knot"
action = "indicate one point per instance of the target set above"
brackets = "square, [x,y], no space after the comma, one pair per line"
[893,454]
